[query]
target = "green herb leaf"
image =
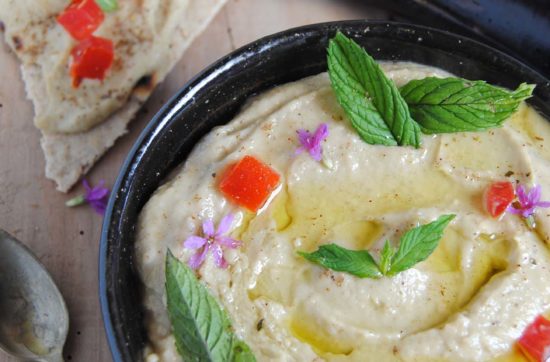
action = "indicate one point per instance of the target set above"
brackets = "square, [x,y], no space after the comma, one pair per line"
[443,105]
[371,100]
[107,5]
[357,262]
[201,328]
[417,244]
[386,257]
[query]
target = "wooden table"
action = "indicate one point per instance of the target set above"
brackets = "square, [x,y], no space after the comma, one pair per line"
[67,240]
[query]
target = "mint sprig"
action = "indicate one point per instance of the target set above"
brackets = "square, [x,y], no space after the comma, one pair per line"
[382,114]
[201,328]
[415,246]
[371,100]
[443,105]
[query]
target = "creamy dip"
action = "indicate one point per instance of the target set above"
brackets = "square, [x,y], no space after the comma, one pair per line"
[470,300]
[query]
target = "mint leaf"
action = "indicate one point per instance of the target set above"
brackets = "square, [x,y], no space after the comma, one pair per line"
[107,5]
[443,105]
[371,100]
[417,244]
[357,262]
[201,328]
[386,257]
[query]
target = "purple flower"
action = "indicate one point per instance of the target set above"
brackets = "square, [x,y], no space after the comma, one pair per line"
[96,197]
[528,201]
[212,240]
[312,142]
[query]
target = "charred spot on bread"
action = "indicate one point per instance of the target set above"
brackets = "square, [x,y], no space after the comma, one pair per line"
[17,42]
[145,85]
[146,81]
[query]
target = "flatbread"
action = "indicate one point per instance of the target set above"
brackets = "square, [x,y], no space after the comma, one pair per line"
[75,135]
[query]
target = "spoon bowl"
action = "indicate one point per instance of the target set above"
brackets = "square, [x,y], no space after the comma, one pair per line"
[33,317]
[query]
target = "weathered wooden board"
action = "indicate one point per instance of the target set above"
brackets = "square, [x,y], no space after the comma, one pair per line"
[66,240]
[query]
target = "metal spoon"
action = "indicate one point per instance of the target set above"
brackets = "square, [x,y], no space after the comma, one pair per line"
[33,316]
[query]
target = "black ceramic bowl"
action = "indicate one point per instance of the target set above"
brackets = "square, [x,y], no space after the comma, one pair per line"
[270,61]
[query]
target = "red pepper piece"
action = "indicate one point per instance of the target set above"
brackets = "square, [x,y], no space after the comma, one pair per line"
[249,183]
[535,341]
[81,18]
[498,196]
[92,57]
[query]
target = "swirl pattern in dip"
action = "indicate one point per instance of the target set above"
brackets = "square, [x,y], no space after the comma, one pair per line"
[470,300]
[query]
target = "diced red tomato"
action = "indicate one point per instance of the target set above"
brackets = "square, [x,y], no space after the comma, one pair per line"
[81,18]
[92,57]
[249,183]
[535,341]
[498,196]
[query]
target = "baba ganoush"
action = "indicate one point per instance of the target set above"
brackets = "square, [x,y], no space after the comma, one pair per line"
[469,301]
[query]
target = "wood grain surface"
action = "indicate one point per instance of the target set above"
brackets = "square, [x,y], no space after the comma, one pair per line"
[67,240]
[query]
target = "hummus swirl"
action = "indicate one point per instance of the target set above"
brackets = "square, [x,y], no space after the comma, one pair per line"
[470,300]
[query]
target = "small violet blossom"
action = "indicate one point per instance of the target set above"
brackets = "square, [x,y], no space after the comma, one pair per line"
[527,201]
[312,142]
[212,240]
[96,197]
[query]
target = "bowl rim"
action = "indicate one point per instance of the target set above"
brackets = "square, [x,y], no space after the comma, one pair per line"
[198,82]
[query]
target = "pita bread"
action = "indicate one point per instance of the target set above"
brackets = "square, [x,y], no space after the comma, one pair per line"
[79,125]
